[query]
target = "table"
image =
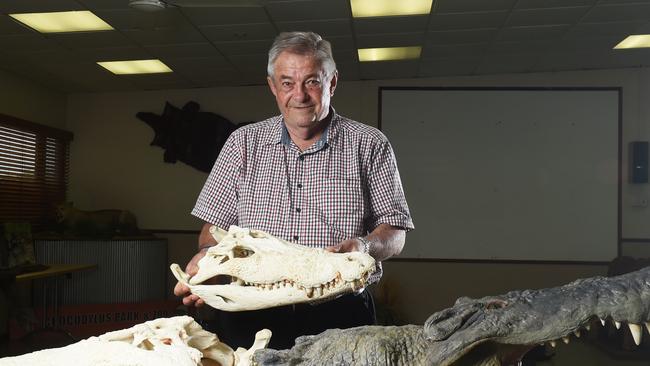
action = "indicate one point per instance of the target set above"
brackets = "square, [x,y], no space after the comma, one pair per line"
[50,275]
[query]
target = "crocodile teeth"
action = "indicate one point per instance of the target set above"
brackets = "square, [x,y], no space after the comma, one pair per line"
[617,324]
[577,333]
[310,292]
[588,327]
[319,291]
[552,343]
[602,321]
[647,325]
[636,332]
[565,340]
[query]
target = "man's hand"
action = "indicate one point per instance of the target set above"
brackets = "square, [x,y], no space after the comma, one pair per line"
[181,290]
[346,246]
[205,240]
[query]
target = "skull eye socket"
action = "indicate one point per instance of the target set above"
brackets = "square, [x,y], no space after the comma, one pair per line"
[239,252]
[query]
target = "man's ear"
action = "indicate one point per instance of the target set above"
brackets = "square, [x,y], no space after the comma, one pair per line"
[269,80]
[335,79]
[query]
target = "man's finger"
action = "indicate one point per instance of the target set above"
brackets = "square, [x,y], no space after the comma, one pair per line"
[334,248]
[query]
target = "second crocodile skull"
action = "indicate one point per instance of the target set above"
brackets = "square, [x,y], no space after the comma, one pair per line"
[264,271]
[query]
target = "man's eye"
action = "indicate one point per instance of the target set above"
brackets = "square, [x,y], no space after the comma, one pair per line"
[313,82]
[286,84]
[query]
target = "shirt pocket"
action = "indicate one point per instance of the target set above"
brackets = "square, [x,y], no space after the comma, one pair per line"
[341,206]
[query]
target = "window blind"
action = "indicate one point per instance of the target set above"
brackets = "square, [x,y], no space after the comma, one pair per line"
[34,167]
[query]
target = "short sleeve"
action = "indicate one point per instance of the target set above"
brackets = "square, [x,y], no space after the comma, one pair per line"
[385,193]
[217,202]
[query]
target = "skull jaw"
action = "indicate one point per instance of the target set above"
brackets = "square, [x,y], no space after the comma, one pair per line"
[242,298]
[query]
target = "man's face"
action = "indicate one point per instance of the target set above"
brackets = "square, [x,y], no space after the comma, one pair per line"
[301,89]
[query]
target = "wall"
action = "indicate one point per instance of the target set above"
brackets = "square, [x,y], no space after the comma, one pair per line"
[29,101]
[114,166]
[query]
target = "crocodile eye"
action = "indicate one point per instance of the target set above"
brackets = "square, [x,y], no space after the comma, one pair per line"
[239,252]
[496,304]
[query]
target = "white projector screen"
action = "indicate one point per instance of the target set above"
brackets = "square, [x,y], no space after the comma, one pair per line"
[529,174]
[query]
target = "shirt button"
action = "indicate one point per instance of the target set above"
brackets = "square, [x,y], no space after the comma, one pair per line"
[301,157]
[299,185]
[295,237]
[298,209]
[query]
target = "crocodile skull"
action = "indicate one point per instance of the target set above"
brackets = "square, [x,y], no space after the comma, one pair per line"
[177,341]
[265,271]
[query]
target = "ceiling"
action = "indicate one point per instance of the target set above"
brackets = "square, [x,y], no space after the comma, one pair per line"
[227,46]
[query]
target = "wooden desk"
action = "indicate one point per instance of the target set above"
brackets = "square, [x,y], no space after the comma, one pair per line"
[54,270]
[51,276]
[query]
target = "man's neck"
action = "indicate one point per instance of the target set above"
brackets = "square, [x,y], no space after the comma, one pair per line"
[304,137]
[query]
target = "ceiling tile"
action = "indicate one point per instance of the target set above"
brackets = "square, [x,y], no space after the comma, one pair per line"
[341,43]
[444,67]
[239,32]
[221,16]
[590,30]
[37,6]
[500,64]
[127,19]
[456,51]
[254,61]
[197,63]
[114,53]
[290,11]
[326,28]
[454,6]
[461,36]
[106,4]
[547,16]
[348,71]
[182,50]
[410,24]
[467,20]
[530,47]
[10,26]
[29,42]
[346,57]
[532,33]
[390,40]
[389,69]
[166,36]
[244,47]
[540,4]
[79,40]
[619,13]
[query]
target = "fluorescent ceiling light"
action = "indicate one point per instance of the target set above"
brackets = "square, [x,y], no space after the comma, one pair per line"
[390,53]
[135,67]
[635,41]
[383,8]
[63,21]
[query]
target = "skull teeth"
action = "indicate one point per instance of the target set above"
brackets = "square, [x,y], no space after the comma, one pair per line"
[319,291]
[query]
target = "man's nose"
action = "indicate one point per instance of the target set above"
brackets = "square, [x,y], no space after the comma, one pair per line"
[301,93]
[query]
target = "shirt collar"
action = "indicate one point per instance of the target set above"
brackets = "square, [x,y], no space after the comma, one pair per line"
[278,133]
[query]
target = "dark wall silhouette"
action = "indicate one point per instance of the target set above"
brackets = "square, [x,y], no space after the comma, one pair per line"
[189,135]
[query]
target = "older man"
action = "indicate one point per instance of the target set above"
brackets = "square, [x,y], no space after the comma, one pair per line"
[309,176]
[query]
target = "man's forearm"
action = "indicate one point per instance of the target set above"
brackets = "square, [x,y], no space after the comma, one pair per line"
[386,241]
[206,239]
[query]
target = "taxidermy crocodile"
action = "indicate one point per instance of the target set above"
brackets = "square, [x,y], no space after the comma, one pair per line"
[263,271]
[491,331]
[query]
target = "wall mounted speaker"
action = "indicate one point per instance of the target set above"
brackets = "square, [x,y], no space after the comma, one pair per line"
[639,162]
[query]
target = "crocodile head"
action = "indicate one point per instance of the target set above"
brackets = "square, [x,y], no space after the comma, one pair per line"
[263,271]
[533,317]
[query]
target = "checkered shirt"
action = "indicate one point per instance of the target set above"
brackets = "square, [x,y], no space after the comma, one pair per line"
[343,186]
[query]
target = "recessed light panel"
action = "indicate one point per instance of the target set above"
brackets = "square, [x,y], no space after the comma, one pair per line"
[383,8]
[389,53]
[135,67]
[635,41]
[63,21]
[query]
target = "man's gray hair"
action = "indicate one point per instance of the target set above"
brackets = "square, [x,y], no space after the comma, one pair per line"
[302,43]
